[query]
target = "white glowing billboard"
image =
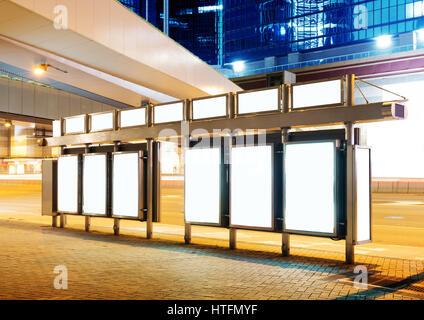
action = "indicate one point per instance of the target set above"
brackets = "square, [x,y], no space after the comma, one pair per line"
[132,117]
[259,101]
[309,187]
[57,128]
[94,184]
[202,185]
[210,108]
[252,187]
[75,124]
[363,194]
[101,121]
[172,112]
[126,191]
[317,94]
[68,184]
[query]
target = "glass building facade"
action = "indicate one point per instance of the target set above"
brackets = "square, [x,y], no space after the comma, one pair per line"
[257,29]
[223,31]
[133,5]
[195,24]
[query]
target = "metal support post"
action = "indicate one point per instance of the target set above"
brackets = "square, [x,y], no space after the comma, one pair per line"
[350,90]
[187,226]
[150,189]
[87,219]
[350,212]
[62,220]
[87,224]
[233,238]
[54,221]
[286,98]
[187,233]
[228,143]
[285,239]
[350,246]
[116,226]
[156,181]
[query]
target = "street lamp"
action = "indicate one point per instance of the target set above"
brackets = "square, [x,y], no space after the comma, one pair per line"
[42,68]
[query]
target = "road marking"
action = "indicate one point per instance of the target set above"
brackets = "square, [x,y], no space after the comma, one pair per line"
[394,217]
[399,203]
[376,249]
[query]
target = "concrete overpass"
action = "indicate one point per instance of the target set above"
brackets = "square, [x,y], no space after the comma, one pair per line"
[105,49]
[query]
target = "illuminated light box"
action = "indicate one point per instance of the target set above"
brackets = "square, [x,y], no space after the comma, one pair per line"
[172,112]
[310,183]
[68,184]
[210,107]
[363,194]
[101,121]
[75,124]
[57,128]
[259,101]
[94,184]
[132,118]
[252,187]
[202,185]
[126,189]
[317,94]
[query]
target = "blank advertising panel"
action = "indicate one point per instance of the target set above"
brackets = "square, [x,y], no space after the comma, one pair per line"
[101,121]
[172,112]
[210,108]
[67,184]
[252,187]
[75,124]
[126,185]
[202,185]
[94,184]
[132,118]
[259,101]
[309,190]
[317,94]
[363,194]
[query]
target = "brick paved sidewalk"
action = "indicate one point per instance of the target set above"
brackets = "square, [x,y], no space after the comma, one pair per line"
[102,266]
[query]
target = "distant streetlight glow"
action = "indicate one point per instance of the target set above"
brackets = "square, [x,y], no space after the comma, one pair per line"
[420,34]
[384,41]
[238,66]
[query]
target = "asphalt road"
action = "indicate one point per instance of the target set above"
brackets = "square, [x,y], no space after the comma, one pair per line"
[397,220]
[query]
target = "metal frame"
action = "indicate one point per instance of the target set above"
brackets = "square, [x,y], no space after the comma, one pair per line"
[79,183]
[63,125]
[229,102]
[222,191]
[90,121]
[118,120]
[337,212]
[276,111]
[342,94]
[355,225]
[184,102]
[107,162]
[141,185]
[313,117]
[274,191]
[345,113]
